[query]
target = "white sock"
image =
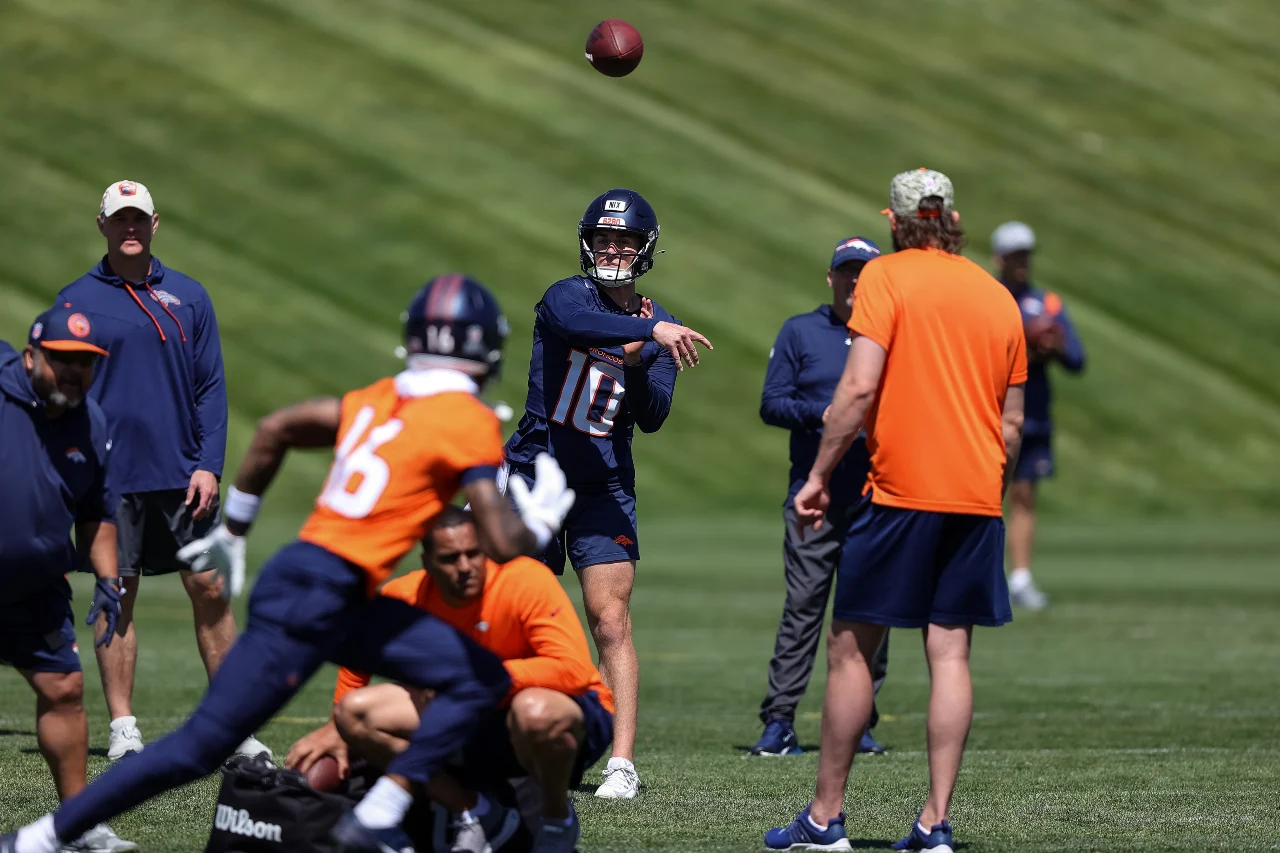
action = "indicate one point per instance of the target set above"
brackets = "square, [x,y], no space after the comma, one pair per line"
[119,723]
[924,829]
[38,837]
[818,826]
[1020,578]
[619,764]
[384,806]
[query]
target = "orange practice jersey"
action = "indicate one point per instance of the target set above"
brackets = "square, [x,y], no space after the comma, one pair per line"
[405,445]
[523,616]
[955,344]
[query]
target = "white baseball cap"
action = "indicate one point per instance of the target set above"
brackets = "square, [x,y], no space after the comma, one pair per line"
[1012,237]
[124,194]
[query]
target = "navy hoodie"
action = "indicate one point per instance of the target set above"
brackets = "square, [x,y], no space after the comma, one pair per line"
[54,475]
[162,389]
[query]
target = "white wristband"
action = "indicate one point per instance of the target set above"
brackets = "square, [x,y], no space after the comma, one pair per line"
[241,507]
[541,531]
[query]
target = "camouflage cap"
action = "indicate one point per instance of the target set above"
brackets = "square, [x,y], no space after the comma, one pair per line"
[908,189]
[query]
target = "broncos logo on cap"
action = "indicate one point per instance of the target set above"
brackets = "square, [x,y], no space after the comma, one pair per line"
[859,243]
[78,325]
[127,188]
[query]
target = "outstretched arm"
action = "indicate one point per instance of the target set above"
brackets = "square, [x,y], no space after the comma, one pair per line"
[503,536]
[313,423]
[570,314]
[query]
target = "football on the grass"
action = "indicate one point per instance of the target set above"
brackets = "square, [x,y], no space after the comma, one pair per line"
[323,775]
[614,48]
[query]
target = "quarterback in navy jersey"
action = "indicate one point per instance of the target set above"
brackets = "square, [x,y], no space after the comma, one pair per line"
[605,360]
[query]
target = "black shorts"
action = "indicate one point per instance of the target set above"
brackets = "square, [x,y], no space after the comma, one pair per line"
[152,526]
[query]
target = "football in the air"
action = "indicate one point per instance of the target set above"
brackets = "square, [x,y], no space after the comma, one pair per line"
[614,48]
[324,775]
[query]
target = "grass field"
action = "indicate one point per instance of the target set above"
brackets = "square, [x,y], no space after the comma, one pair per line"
[1139,713]
[315,160]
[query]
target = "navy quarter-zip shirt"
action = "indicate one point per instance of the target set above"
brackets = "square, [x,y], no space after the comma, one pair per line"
[805,365]
[54,475]
[162,389]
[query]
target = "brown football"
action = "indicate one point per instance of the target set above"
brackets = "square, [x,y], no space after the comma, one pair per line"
[614,48]
[323,775]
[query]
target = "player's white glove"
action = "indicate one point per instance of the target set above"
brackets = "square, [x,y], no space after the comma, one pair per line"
[543,508]
[221,552]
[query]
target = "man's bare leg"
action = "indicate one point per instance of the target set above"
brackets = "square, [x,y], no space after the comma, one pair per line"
[950,714]
[118,662]
[62,728]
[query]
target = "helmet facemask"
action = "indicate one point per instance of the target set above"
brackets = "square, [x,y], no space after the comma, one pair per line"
[611,276]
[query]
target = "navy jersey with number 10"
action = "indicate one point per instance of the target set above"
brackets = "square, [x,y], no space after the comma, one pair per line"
[583,401]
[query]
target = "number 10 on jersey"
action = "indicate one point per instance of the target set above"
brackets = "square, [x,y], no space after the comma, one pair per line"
[586,383]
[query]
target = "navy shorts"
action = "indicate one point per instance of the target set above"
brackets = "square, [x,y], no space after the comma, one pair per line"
[1036,459]
[489,758]
[908,568]
[38,634]
[601,527]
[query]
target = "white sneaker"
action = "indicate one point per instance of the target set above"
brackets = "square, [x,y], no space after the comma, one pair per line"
[100,839]
[620,781]
[252,747]
[124,738]
[1026,595]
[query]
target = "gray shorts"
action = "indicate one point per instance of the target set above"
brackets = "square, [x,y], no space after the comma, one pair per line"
[152,526]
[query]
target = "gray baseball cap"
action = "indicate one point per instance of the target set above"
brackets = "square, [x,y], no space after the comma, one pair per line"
[908,189]
[1012,237]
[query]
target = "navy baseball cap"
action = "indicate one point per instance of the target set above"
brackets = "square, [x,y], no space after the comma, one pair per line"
[854,249]
[65,329]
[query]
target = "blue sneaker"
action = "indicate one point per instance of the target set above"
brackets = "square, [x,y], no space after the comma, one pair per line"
[871,746]
[779,738]
[803,835]
[9,842]
[936,840]
[352,836]
[555,836]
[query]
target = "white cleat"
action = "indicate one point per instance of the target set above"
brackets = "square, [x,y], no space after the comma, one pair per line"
[1027,595]
[620,781]
[252,748]
[124,739]
[100,839]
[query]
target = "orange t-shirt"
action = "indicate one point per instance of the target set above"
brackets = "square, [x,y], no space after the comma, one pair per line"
[523,616]
[955,344]
[405,446]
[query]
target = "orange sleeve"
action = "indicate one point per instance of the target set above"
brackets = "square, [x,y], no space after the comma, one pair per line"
[406,588]
[562,660]
[472,439]
[875,306]
[1017,356]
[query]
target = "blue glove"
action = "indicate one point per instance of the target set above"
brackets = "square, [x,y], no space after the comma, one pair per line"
[106,600]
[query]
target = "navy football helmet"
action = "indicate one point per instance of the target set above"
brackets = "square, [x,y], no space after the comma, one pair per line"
[454,322]
[618,210]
